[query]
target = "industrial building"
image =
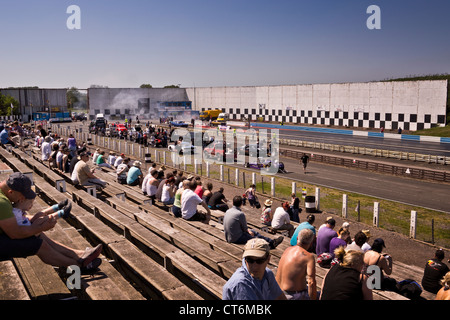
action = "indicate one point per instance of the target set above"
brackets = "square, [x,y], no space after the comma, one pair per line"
[33,100]
[410,105]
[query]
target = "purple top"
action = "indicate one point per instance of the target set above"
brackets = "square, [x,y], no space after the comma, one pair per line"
[336,243]
[324,237]
[71,142]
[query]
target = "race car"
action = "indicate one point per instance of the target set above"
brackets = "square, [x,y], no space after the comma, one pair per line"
[219,151]
[266,163]
[184,148]
[253,150]
[179,123]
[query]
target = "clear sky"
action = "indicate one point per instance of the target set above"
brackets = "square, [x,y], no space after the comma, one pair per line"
[219,42]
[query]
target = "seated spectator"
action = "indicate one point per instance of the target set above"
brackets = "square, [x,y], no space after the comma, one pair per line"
[236,229]
[5,138]
[218,201]
[29,240]
[444,292]
[168,193]
[162,183]
[72,145]
[199,190]
[122,171]
[434,270]
[295,209]
[20,210]
[19,134]
[374,257]
[344,281]
[134,175]
[324,236]
[65,161]
[84,176]
[112,158]
[176,209]
[152,185]
[325,223]
[308,224]
[178,178]
[266,214]
[147,177]
[189,202]
[366,246]
[340,240]
[281,220]
[244,284]
[251,195]
[119,160]
[52,159]
[359,241]
[96,154]
[207,194]
[296,273]
[46,148]
[101,160]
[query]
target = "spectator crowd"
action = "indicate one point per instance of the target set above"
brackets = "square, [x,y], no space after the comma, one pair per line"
[348,258]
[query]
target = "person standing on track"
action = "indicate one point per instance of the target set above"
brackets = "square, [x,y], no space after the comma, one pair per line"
[304,161]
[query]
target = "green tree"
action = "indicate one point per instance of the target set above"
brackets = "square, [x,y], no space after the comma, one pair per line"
[72,97]
[149,86]
[5,106]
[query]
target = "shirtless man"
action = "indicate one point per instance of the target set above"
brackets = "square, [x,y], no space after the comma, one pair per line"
[296,273]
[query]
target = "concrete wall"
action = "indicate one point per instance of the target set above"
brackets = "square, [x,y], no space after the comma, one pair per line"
[411,105]
[33,100]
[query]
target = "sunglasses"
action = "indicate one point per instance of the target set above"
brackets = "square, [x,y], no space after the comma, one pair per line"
[257,261]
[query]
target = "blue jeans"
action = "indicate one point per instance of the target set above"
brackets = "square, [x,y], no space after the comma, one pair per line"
[246,236]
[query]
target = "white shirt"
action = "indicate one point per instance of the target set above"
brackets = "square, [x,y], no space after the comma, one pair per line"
[111,160]
[280,218]
[118,161]
[46,151]
[189,202]
[144,183]
[165,195]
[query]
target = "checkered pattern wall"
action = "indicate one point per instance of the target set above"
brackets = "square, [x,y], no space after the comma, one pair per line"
[341,118]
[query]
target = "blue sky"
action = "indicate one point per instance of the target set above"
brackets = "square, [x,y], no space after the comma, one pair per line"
[219,43]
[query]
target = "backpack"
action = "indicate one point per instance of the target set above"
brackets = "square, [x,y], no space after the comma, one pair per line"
[410,289]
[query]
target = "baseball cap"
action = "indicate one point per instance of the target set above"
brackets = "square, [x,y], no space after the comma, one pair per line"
[21,183]
[256,247]
[379,241]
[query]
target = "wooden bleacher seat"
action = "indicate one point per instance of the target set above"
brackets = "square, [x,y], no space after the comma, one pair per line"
[11,286]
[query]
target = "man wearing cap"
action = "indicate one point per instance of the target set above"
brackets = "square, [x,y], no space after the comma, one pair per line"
[253,281]
[28,240]
[324,236]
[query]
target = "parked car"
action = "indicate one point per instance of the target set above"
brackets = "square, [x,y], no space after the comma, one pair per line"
[111,131]
[179,123]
